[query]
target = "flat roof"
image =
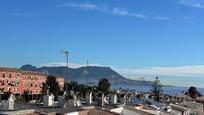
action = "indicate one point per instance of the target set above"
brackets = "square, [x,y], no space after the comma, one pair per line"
[7,69]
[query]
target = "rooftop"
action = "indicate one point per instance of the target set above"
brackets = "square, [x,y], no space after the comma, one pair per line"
[6,69]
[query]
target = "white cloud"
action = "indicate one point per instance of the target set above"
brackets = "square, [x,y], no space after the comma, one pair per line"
[120,11]
[88,6]
[72,65]
[138,15]
[125,12]
[190,20]
[192,75]
[193,3]
[103,8]
[160,18]
[117,11]
[185,71]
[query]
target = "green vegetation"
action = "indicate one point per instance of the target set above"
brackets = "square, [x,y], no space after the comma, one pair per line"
[53,85]
[193,92]
[157,90]
[78,89]
[71,86]
[81,89]
[26,96]
[6,95]
[104,86]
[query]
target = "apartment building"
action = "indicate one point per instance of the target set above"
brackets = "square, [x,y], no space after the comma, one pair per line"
[17,81]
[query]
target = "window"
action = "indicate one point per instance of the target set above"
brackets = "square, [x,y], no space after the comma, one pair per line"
[2,82]
[3,75]
[9,75]
[16,76]
[31,85]
[9,89]
[8,82]
[2,90]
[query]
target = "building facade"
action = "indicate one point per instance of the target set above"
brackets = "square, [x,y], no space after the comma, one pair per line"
[17,81]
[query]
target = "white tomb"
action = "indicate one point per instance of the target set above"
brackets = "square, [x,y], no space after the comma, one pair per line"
[61,100]
[123,99]
[106,100]
[132,98]
[75,100]
[8,104]
[89,98]
[48,100]
[102,100]
[78,102]
[113,99]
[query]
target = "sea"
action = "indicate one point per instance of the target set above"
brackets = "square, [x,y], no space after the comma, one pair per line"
[168,90]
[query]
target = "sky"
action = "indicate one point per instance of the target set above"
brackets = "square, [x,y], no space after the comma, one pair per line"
[137,38]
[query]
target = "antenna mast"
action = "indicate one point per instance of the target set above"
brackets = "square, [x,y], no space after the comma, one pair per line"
[66,53]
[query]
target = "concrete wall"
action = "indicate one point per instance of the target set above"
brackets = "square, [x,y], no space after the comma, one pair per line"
[73,113]
[99,112]
[117,110]
[21,112]
[129,112]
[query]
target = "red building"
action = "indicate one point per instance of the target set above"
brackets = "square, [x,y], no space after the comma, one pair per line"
[17,81]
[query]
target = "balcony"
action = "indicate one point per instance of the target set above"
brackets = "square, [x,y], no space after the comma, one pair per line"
[14,83]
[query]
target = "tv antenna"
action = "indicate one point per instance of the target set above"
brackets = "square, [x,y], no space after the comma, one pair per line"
[87,63]
[66,53]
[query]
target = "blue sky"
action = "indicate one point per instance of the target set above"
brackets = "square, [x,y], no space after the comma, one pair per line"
[135,37]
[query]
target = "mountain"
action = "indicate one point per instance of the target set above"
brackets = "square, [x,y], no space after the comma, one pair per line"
[28,67]
[87,75]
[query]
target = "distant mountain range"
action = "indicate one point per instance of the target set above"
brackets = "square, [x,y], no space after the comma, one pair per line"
[88,75]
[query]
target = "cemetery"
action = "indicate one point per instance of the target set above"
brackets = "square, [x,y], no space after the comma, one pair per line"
[101,101]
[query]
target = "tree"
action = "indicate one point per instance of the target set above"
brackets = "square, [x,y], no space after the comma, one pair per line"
[6,95]
[83,89]
[156,89]
[80,89]
[53,85]
[26,95]
[72,86]
[103,86]
[193,92]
